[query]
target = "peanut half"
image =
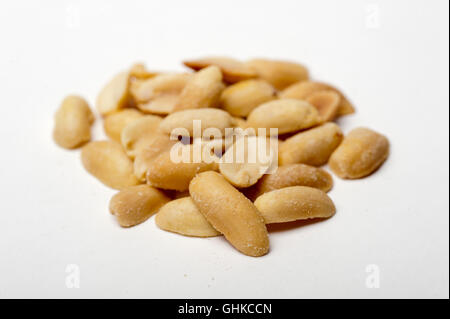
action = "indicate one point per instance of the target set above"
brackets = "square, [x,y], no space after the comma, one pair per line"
[291,175]
[287,115]
[73,122]
[232,69]
[241,98]
[114,95]
[139,133]
[202,90]
[230,213]
[183,217]
[294,203]
[116,122]
[135,204]
[360,154]
[107,161]
[326,102]
[312,147]
[280,74]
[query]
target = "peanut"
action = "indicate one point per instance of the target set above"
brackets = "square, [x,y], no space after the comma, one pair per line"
[139,133]
[288,115]
[279,73]
[294,203]
[230,213]
[164,104]
[312,147]
[135,204]
[241,98]
[183,217]
[160,85]
[114,95]
[73,122]
[232,70]
[140,72]
[326,102]
[202,90]
[116,122]
[107,161]
[360,154]
[291,175]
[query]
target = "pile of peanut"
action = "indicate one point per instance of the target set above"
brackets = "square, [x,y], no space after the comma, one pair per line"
[142,110]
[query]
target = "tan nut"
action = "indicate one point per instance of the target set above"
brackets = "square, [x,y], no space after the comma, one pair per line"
[202,90]
[280,74]
[160,85]
[140,133]
[135,204]
[303,90]
[230,213]
[241,98]
[116,122]
[288,115]
[232,69]
[291,175]
[326,102]
[172,170]
[312,147]
[114,95]
[294,203]
[73,122]
[183,217]
[209,118]
[360,154]
[139,71]
[107,161]
[164,104]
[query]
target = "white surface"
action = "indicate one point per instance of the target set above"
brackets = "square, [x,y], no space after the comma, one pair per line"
[55,214]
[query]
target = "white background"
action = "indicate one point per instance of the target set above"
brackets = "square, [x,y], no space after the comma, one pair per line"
[389,57]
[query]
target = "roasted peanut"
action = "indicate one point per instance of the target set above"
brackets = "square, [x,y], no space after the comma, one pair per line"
[360,154]
[294,203]
[230,213]
[73,122]
[210,118]
[326,102]
[164,104]
[312,147]
[135,204]
[303,90]
[241,98]
[114,95]
[280,74]
[140,72]
[202,90]
[139,133]
[183,217]
[291,175]
[288,115]
[116,122]
[166,173]
[232,70]
[107,161]
[248,160]
[160,85]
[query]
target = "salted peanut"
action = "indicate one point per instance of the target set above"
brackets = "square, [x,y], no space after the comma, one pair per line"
[232,69]
[312,147]
[135,204]
[202,90]
[163,105]
[326,102]
[230,213]
[148,152]
[175,168]
[139,133]
[291,175]
[114,95]
[107,161]
[209,118]
[247,160]
[280,74]
[303,90]
[140,72]
[241,98]
[360,154]
[294,203]
[160,85]
[239,122]
[73,122]
[116,122]
[288,115]
[183,217]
